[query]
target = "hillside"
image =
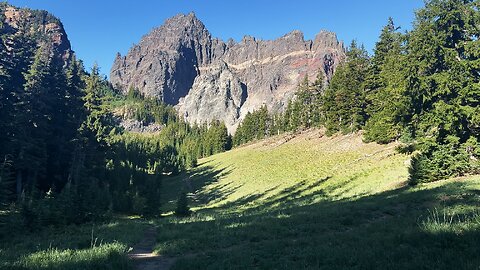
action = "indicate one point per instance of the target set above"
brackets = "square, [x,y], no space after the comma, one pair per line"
[311,201]
[208,79]
[339,166]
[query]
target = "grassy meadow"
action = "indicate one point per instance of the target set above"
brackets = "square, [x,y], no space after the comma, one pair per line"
[288,202]
[316,202]
[75,247]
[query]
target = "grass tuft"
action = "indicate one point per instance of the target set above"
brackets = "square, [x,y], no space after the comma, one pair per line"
[107,256]
[443,221]
[87,246]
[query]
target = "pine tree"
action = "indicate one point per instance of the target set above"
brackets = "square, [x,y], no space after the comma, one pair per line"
[6,104]
[292,116]
[75,86]
[303,104]
[387,104]
[443,85]
[65,116]
[16,51]
[33,121]
[152,196]
[344,99]
[256,126]
[318,87]
[182,209]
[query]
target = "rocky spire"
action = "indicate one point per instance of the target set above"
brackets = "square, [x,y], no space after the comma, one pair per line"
[208,79]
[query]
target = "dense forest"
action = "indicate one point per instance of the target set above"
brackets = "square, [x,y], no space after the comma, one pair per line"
[64,156]
[420,87]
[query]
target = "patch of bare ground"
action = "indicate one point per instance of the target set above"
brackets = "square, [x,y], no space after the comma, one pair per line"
[143,256]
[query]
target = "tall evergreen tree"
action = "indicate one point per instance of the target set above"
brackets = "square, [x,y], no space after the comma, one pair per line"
[443,84]
[387,104]
[344,99]
[6,105]
[32,121]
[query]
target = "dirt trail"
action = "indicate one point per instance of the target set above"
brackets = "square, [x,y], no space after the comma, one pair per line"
[145,259]
[143,256]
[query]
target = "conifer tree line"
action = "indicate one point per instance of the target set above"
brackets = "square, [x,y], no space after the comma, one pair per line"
[420,87]
[64,157]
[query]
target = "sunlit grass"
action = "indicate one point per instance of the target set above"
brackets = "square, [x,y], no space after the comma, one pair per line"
[87,246]
[105,256]
[339,167]
[319,203]
[445,221]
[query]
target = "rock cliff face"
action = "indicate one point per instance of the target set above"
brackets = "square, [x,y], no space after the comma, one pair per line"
[208,79]
[216,94]
[39,25]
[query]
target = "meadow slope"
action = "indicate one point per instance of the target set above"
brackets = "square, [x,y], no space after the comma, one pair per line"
[308,201]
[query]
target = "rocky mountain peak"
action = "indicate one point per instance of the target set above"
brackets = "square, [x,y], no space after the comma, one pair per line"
[182,24]
[208,79]
[327,39]
[295,35]
[189,19]
[248,39]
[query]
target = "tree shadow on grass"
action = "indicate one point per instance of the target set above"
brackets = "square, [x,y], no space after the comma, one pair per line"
[245,200]
[209,176]
[295,193]
[390,230]
[194,183]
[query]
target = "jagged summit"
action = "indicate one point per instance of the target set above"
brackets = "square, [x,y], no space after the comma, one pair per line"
[182,23]
[295,34]
[209,79]
[189,18]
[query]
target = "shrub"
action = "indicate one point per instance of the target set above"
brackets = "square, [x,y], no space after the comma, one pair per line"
[419,170]
[441,162]
[182,209]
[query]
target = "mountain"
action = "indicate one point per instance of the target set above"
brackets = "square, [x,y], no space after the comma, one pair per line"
[209,79]
[39,26]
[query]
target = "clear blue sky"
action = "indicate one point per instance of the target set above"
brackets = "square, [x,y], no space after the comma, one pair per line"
[98,29]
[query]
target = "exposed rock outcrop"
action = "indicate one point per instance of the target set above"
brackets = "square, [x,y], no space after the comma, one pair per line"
[208,79]
[165,62]
[216,94]
[135,126]
[40,25]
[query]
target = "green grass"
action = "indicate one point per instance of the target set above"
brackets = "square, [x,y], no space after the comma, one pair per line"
[303,202]
[315,202]
[88,246]
[106,256]
[337,167]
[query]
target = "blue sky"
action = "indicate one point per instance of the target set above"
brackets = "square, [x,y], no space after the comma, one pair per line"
[98,29]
